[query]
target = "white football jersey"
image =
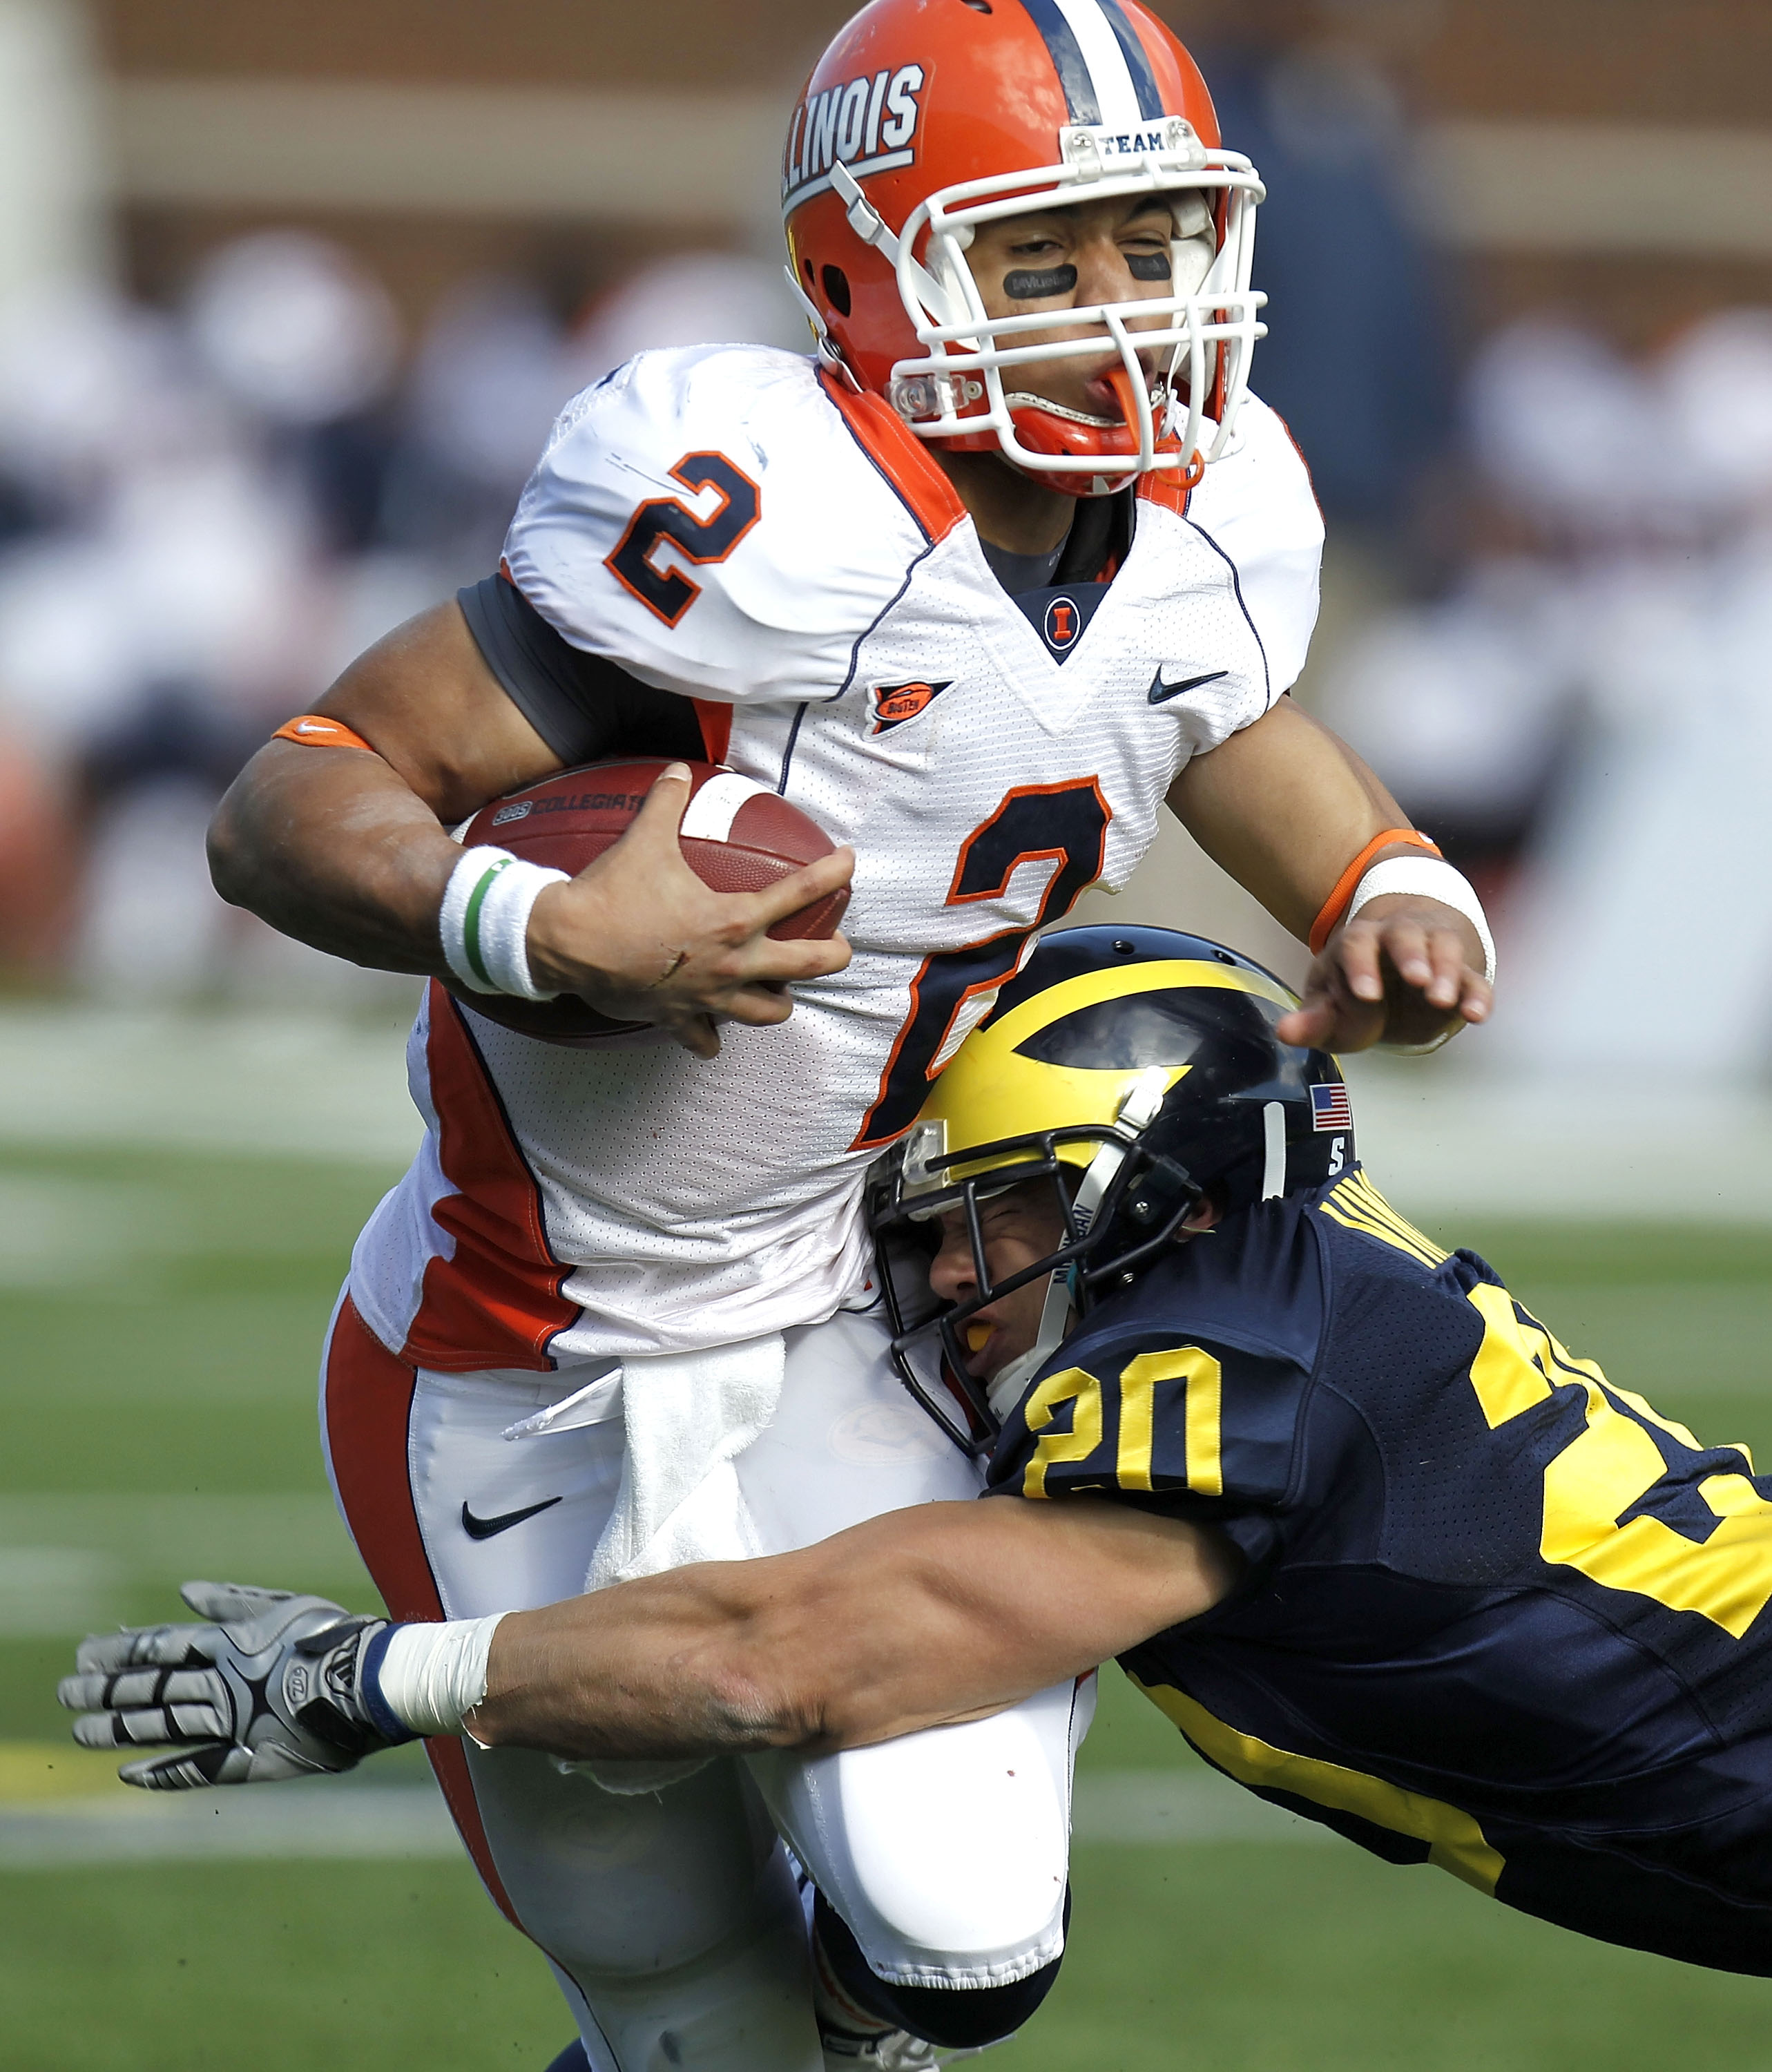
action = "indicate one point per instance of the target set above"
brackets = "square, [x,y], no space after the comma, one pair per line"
[732,524]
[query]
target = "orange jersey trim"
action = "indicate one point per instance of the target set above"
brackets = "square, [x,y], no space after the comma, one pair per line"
[1348,883]
[498,1301]
[714,718]
[315,730]
[368,1409]
[1304,460]
[899,455]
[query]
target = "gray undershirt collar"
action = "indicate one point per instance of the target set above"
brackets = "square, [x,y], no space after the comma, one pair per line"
[1020,573]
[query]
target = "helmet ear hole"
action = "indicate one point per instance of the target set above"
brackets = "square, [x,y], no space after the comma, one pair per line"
[979,7]
[837,288]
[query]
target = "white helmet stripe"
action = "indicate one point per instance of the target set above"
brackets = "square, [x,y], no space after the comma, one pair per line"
[1117,91]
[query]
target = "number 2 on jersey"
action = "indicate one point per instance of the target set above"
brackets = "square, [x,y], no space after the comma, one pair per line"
[955,990]
[668,592]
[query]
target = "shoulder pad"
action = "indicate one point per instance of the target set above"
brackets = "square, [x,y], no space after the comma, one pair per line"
[1189,1385]
[1258,508]
[1352,1203]
[706,517]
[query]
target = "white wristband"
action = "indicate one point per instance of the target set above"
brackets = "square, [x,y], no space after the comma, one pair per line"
[485,921]
[1427,877]
[430,1675]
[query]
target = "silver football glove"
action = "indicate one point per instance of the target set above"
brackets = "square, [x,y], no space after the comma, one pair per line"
[269,1689]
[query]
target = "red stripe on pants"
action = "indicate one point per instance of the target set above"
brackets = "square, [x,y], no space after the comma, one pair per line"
[369,1408]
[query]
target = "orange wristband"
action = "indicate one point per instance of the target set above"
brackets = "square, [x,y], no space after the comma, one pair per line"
[314,730]
[1348,883]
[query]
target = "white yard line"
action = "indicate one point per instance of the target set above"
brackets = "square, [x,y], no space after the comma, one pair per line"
[77,1563]
[1439,1136]
[294,1085]
[1442,1139]
[263,1821]
[1121,1808]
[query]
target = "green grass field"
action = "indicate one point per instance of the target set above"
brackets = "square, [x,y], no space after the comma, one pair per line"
[162,1315]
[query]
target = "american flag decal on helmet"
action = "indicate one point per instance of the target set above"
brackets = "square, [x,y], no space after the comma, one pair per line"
[1330,1108]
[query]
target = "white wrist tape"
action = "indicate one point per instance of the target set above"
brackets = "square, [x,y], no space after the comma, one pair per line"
[430,1675]
[1427,877]
[485,921]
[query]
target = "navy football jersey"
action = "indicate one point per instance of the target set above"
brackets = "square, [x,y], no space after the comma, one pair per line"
[1499,1614]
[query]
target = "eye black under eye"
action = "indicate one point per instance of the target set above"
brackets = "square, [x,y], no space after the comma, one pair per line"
[1031,284]
[1149,265]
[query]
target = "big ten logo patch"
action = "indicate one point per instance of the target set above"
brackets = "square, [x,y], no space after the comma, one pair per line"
[869,124]
[891,705]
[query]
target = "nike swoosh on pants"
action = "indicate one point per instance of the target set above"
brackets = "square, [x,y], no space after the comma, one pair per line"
[484,1528]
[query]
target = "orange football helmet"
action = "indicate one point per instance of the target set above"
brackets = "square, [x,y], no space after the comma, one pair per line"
[926,117]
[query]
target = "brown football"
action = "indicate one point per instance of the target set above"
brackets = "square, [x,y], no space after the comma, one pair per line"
[737,835]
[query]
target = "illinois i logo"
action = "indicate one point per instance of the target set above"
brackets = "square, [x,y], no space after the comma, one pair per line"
[894,704]
[1063,623]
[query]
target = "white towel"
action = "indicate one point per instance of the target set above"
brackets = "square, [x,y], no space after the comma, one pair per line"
[688,1417]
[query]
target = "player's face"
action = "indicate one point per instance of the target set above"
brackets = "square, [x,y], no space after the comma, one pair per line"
[1126,250]
[1020,1228]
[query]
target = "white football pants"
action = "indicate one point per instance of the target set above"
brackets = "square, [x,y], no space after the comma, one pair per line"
[671,1917]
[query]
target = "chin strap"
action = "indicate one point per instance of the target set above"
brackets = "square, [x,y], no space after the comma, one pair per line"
[827,346]
[866,221]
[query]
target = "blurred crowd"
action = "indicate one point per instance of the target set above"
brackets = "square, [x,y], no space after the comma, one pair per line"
[1548,601]
[206,512]
[1581,711]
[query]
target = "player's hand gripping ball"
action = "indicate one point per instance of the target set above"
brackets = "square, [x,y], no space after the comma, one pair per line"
[736,836]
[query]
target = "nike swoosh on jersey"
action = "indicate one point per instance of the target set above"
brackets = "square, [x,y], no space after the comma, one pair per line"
[484,1528]
[1160,693]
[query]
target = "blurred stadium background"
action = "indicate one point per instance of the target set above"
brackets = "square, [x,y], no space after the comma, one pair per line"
[288,297]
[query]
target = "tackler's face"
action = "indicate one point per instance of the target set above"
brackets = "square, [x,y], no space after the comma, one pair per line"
[1130,249]
[1020,1227]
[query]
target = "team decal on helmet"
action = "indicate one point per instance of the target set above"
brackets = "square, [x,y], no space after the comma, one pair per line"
[868,125]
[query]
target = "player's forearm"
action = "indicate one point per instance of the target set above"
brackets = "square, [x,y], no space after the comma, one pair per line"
[1282,806]
[722,1659]
[668,1666]
[330,846]
[347,850]
[924,1616]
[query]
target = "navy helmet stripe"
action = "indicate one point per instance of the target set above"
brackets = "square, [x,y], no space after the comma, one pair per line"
[1144,78]
[1067,59]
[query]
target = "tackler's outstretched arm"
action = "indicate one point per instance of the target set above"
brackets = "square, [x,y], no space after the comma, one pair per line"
[917,1618]
[920,1617]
